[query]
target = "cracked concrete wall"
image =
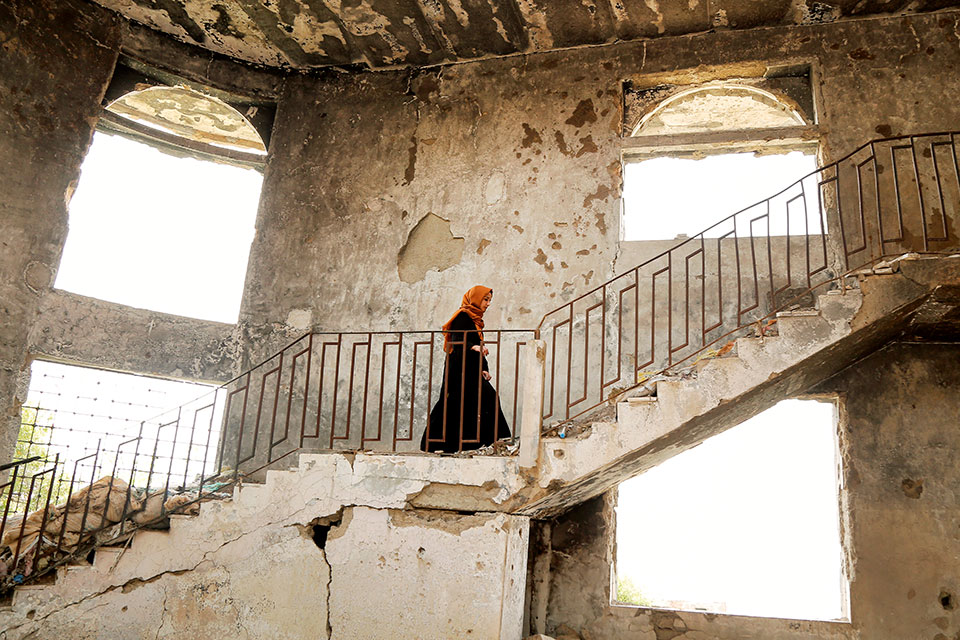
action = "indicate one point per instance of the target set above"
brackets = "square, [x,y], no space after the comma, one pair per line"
[900,451]
[333,549]
[75,328]
[358,161]
[520,154]
[899,410]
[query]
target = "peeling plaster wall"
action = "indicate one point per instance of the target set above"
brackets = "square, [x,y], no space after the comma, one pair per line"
[57,60]
[902,408]
[899,416]
[359,161]
[522,156]
[305,34]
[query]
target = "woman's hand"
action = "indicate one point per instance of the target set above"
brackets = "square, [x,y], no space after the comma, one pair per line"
[480,349]
[486,375]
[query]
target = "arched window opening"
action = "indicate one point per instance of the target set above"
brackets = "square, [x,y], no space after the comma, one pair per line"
[164,212]
[707,152]
[723,107]
[747,523]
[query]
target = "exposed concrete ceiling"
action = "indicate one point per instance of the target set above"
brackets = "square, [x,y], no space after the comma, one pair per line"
[305,34]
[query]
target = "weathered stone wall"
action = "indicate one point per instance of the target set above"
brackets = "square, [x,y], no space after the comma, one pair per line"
[900,451]
[47,114]
[899,412]
[521,156]
[57,60]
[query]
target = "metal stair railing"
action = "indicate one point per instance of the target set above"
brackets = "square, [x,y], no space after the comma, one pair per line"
[375,390]
[888,197]
[324,391]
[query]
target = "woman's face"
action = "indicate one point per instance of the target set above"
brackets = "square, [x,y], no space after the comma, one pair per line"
[487,299]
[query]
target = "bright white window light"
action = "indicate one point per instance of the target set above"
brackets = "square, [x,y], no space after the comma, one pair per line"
[666,197]
[747,523]
[159,232]
[92,417]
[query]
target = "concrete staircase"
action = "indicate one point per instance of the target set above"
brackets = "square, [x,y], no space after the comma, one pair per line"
[263,526]
[263,543]
[811,345]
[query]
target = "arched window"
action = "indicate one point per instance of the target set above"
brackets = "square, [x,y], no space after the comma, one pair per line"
[164,212]
[706,152]
[723,107]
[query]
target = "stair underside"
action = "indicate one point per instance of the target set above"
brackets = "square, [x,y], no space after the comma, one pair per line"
[918,298]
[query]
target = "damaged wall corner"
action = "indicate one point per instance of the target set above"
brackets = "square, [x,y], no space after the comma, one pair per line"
[430,246]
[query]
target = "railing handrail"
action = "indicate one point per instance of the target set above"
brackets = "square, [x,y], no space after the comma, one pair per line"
[693,237]
[17,463]
[873,216]
[316,332]
[269,417]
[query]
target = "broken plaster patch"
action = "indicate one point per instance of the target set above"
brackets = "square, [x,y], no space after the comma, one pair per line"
[430,245]
[299,319]
[447,521]
[495,188]
[37,276]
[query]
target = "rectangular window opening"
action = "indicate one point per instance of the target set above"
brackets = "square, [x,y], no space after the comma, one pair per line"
[747,523]
[681,195]
[159,230]
[96,423]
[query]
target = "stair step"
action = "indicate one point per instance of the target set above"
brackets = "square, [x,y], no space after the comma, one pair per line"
[105,557]
[796,326]
[24,592]
[714,370]
[636,410]
[848,298]
[798,313]
[668,394]
[249,494]
[313,461]
[65,570]
[272,476]
[750,348]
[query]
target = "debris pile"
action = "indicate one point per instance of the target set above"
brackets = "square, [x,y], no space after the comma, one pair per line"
[107,511]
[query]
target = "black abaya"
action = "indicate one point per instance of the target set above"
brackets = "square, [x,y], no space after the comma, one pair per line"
[463,385]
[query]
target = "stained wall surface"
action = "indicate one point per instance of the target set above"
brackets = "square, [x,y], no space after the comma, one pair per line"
[899,411]
[332,549]
[522,157]
[519,156]
[47,115]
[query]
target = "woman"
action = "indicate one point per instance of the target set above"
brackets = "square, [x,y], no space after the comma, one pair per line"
[467,414]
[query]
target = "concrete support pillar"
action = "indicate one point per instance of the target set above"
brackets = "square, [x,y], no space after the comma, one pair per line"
[531,419]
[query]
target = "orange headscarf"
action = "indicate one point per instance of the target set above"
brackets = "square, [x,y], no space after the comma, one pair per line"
[471,306]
